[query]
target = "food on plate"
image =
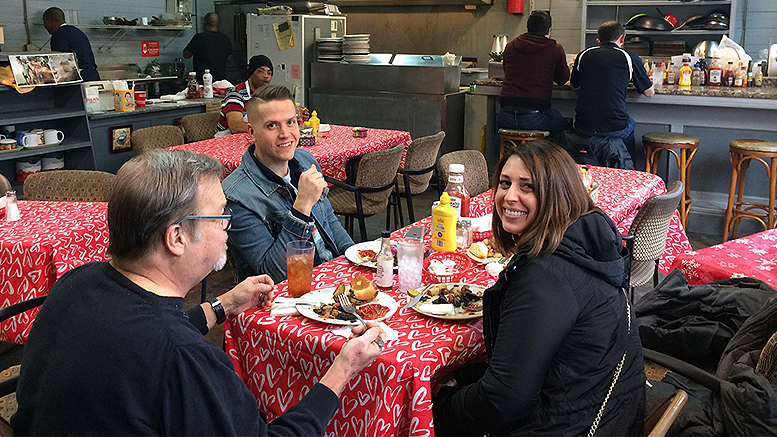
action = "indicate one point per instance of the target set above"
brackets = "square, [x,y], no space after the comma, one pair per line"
[366,254]
[484,250]
[412,292]
[368,311]
[437,308]
[362,288]
[460,296]
[442,267]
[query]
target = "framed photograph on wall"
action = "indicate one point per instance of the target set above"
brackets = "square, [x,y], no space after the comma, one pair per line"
[120,138]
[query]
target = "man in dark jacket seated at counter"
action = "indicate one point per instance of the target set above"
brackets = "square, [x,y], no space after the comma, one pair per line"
[602,73]
[113,353]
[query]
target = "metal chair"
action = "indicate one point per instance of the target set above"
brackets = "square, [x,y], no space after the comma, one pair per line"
[375,179]
[475,170]
[198,127]
[69,186]
[649,229]
[156,137]
[420,162]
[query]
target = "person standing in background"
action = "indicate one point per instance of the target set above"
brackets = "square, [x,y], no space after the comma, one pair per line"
[532,63]
[66,38]
[211,49]
[602,73]
[233,118]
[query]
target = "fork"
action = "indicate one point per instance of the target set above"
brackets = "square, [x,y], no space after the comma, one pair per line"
[347,305]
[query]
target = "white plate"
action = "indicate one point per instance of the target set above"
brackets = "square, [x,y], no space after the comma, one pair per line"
[352,253]
[486,260]
[323,128]
[459,313]
[325,296]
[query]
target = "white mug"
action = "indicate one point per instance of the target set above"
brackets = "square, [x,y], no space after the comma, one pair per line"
[39,133]
[2,137]
[53,136]
[30,139]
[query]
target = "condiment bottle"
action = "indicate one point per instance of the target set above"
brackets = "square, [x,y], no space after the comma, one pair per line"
[586,176]
[704,75]
[207,82]
[758,77]
[444,225]
[670,74]
[12,213]
[696,75]
[385,263]
[750,74]
[728,75]
[684,81]
[457,190]
[315,123]
[740,76]
[193,88]
[715,73]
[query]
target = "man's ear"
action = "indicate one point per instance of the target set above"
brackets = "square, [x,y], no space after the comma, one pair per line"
[622,39]
[176,239]
[250,130]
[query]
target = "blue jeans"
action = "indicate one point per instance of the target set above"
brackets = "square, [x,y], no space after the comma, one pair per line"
[626,134]
[549,120]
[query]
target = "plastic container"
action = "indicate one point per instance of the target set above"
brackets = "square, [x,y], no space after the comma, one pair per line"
[684,81]
[457,190]
[461,263]
[315,124]
[410,259]
[207,83]
[26,167]
[444,225]
[715,73]
[52,161]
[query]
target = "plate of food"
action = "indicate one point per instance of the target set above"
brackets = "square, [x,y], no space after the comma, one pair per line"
[363,254]
[457,301]
[483,252]
[372,305]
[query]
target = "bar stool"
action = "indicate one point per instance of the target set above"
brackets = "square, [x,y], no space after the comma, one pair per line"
[672,142]
[519,137]
[741,152]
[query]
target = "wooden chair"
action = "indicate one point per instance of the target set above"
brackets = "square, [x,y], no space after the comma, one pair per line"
[5,185]
[198,127]
[69,186]
[649,229]
[475,170]
[683,147]
[375,179]
[659,422]
[156,137]
[420,162]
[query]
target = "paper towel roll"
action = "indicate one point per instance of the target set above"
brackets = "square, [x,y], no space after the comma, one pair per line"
[772,71]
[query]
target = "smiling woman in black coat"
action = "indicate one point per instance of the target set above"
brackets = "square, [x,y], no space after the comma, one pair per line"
[557,326]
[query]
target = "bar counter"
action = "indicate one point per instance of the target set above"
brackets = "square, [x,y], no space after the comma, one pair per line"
[716,115]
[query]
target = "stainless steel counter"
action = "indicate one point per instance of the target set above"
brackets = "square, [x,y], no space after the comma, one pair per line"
[155,107]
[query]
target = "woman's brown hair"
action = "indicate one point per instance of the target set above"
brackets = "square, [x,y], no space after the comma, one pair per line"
[561,197]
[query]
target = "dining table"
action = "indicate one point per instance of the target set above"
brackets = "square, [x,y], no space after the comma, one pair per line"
[333,150]
[280,357]
[35,251]
[753,256]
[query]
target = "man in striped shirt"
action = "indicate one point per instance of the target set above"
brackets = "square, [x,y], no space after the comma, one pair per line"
[233,108]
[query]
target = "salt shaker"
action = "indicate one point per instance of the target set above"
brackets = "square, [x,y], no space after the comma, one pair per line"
[11,207]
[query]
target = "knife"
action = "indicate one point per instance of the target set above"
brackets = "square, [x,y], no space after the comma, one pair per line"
[416,299]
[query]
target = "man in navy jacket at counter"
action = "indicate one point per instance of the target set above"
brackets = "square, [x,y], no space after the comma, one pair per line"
[602,73]
[65,38]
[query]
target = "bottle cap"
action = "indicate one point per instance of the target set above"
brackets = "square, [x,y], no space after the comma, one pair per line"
[456,168]
[385,234]
[207,70]
[445,199]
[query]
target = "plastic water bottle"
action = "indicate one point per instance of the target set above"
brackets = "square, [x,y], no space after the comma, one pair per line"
[207,81]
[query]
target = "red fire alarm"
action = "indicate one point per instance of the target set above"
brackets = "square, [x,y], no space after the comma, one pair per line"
[515,6]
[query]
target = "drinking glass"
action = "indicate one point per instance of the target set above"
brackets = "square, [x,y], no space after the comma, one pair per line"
[299,266]
[410,259]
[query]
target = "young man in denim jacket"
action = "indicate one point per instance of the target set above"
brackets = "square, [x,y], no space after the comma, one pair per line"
[278,193]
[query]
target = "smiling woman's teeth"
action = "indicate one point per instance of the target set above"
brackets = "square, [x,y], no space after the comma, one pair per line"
[513,213]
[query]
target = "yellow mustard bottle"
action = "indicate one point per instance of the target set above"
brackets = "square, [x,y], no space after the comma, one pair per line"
[685,76]
[315,123]
[444,225]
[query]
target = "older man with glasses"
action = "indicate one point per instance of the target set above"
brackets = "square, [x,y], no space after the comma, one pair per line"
[113,353]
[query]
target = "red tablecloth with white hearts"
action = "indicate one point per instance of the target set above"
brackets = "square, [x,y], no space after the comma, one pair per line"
[332,151]
[279,358]
[621,193]
[50,239]
[754,256]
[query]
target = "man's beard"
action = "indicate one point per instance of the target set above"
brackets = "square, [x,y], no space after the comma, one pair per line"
[221,262]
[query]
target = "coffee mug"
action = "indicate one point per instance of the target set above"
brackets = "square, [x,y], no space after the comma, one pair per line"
[53,136]
[39,133]
[30,139]
[2,137]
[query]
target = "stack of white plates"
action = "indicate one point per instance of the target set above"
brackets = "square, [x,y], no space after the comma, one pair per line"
[330,49]
[356,48]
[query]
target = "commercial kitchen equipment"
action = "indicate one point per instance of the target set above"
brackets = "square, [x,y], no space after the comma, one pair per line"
[414,93]
[291,66]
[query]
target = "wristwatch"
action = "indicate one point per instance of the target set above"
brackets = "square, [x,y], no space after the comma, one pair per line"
[219,310]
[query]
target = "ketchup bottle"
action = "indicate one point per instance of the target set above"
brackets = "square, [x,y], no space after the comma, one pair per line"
[457,191]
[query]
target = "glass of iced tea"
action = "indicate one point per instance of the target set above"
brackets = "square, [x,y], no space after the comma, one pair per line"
[299,266]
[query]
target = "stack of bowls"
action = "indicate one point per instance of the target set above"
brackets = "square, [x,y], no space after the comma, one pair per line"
[356,48]
[330,49]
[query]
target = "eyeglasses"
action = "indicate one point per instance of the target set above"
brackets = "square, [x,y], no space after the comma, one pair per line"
[226,218]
